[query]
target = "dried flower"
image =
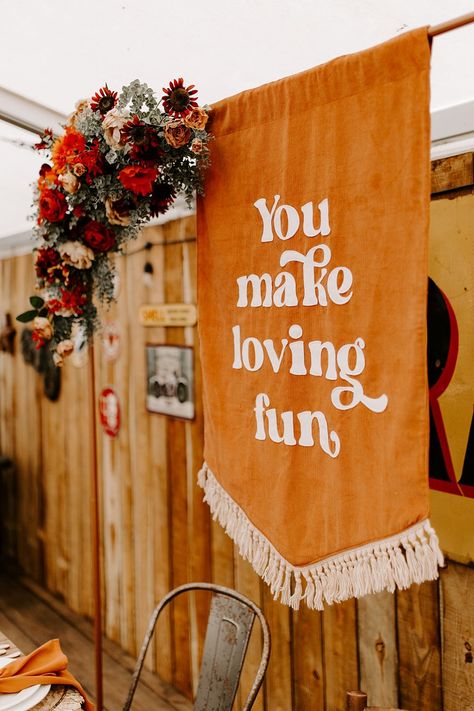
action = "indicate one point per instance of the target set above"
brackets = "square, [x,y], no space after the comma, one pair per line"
[197,119]
[118,211]
[176,133]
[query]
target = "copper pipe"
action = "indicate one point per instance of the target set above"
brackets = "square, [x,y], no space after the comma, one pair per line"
[451,25]
[96,537]
[356,701]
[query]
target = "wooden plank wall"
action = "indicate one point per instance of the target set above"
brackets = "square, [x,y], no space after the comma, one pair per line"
[157,532]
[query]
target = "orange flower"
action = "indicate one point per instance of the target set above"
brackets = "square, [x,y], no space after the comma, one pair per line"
[66,148]
[137,179]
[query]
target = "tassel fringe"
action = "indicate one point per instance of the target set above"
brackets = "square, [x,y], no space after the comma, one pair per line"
[412,556]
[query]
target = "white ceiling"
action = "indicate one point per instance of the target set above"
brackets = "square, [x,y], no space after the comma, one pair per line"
[56,52]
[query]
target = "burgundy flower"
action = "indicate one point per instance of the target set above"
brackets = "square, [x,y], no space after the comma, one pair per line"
[179,100]
[162,197]
[104,100]
[99,237]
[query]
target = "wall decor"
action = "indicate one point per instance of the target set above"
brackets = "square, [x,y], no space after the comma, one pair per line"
[167,315]
[313,344]
[109,411]
[123,159]
[170,380]
[111,340]
[41,358]
[7,336]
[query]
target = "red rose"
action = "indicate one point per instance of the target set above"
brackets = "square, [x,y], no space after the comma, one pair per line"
[52,206]
[138,179]
[98,236]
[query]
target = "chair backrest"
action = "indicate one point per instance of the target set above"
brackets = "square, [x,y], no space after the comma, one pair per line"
[230,622]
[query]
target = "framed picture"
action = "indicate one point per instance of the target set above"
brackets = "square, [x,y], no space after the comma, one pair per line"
[170,380]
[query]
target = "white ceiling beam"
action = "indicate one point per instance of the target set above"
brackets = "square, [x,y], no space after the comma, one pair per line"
[28,114]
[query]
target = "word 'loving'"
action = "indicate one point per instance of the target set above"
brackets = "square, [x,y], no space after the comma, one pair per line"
[322,285]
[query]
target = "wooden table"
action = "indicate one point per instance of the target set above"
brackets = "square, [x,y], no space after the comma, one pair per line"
[60,698]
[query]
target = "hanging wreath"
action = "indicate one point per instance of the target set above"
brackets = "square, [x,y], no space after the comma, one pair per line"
[122,160]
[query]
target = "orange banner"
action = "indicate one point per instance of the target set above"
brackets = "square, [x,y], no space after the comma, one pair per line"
[312,301]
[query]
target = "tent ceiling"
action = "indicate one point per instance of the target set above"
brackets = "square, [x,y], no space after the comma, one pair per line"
[55,53]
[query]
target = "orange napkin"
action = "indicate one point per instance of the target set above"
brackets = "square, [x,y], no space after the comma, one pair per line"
[45,665]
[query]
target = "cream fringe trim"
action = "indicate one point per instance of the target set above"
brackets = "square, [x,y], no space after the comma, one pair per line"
[410,557]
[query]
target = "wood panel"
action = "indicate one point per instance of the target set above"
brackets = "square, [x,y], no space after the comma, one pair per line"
[307,652]
[378,649]
[341,661]
[457,583]
[419,649]
[452,173]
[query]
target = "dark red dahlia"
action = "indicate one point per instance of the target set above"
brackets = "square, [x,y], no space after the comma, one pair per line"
[46,263]
[104,100]
[162,197]
[179,100]
[145,144]
[99,237]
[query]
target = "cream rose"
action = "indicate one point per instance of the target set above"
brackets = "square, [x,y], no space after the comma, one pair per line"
[64,349]
[197,118]
[114,121]
[69,182]
[43,327]
[176,133]
[76,254]
[81,105]
[116,213]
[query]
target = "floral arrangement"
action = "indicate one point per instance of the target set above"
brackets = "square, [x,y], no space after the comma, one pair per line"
[122,160]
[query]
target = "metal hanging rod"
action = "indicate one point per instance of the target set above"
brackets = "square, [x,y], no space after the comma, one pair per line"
[451,25]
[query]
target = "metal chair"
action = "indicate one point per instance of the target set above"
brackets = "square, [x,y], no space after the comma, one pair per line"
[230,622]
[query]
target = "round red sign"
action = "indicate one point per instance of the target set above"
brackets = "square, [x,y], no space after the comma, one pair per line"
[109,410]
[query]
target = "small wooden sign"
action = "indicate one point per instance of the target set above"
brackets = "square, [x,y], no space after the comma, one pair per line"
[168,315]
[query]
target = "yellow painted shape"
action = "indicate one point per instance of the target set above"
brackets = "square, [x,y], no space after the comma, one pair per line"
[451,266]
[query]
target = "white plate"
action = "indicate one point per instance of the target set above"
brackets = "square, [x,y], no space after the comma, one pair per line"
[22,700]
